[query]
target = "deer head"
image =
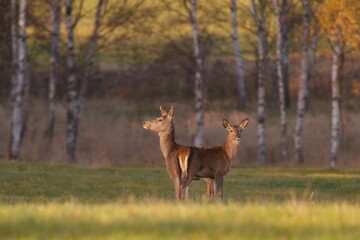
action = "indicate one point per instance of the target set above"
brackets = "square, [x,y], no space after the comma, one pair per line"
[162,123]
[235,130]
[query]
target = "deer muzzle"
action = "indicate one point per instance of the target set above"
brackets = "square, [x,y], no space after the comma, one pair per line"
[146,125]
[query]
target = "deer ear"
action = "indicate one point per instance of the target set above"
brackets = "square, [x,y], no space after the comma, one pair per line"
[163,112]
[170,114]
[226,123]
[244,123]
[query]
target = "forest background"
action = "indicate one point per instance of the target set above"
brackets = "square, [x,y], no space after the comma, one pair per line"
[142,56]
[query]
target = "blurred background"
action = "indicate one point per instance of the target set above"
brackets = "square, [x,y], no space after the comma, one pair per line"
[78,78]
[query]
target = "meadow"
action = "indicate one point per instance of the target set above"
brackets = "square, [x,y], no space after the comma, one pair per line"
[111,134]
[40,201]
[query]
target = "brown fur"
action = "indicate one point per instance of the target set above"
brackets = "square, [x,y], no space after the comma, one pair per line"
[186,163]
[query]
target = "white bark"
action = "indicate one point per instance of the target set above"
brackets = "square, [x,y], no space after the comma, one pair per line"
[259,19]
[304,76]
[19,84]
[55,8]
[279,65]
[198,91]
[14,45]
[335,104]
[239,62]
[72,87]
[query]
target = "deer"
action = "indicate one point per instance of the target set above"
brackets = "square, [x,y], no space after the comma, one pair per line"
[187,163]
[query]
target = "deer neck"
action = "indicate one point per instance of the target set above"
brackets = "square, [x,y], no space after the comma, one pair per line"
[167,140]
[230,147]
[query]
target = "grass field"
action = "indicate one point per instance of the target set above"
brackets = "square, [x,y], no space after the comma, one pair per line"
[64,202]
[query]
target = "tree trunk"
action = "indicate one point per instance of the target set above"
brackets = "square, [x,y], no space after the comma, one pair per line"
[301,101]
[280,72]
[335,104]
[259,20]
[18,84]
[14,83]
[72,88]
[198,91]
[26,89]
[55,6]
[90,54]
[261,156]
[241,104]
[14,46]
[284,32]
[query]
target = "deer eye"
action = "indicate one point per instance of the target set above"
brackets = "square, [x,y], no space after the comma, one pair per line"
[159,120]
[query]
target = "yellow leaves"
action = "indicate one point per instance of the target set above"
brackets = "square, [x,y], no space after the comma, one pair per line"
[355,87]
[340,20]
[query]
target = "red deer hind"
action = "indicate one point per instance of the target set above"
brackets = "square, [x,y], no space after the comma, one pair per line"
[185,163]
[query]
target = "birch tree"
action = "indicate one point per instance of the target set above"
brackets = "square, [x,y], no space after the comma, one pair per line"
[14,45]
[302,93]
[18,84]
[199,78]
[241,104]
[339,22]
[283,14]
[258,14]
[14,145]
[281,88]
[72,87]
[55,9]
[76,88]
[335,103]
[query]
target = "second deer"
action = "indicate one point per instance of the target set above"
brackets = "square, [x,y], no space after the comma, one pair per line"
[185,163]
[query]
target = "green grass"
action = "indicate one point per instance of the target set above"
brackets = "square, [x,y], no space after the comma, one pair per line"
[64,202]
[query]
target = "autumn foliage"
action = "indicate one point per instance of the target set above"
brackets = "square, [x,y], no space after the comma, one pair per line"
[340,20]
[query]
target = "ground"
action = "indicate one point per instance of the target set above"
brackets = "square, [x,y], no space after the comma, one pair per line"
[66,202]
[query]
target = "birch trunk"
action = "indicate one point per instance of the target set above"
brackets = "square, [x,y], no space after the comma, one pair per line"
[241,104]
[55,7]
[335,104]
[14,46]
[281,89]
[18,85]
[90,54]
[72,87]
[14,83]
[198,91]
[302,94]
[284,31]
[259,19]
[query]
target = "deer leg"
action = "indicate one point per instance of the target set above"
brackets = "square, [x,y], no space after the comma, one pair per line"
[213,187]
[177,189]
[184,185]
[210,187]
[219,179]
